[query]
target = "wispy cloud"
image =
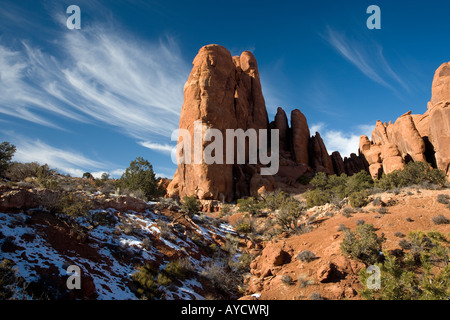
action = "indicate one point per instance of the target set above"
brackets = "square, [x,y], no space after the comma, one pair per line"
[66,161]
[163,148]
[97,75]
[367,57]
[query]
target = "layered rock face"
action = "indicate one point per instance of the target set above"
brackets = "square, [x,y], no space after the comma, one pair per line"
[423,138]
[224,92]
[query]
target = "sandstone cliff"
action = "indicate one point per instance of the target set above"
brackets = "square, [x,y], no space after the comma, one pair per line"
[224,92]
[423,138]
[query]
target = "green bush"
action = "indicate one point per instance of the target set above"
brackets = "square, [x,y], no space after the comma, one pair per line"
[174,270]
[274,200]
[244,226]
[140,176]
[144,280]
[288,215]
[317,197]
[414,173]
[422,273]
[306,256]
[7,280]
[19,171]
[7,151]
[190,205]
[363,245]
[88,175]
[225,210]
[359,199]
[335,188]
[250,205]
[74,205]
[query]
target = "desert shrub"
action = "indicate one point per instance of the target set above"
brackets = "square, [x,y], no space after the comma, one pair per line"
[7,151]
[440,219]
[163,280]
[49,184]
[347,212]
[414,173]
[225,210]
[335,188]
[74,205]
[422,273]
[359,199]
[105,176]
[342,227]
[303,282]
[88,175]
[144,280]
[190,205]
[7,280]
[377,202]
[98,183]
[243,263]
[382,210]
[287,280]
[147,243]
[244,226]
[128,229]
[221,277]
[315,296]
[358,182]
[140,176]
[363,245]
[250,205]
[101,218]
[408,219]
[360,222]
[290,211]
[275,200]
[175,270]
[19,171]
[306,256]
[317,197]
[399,234]
[320,180]
[443,198]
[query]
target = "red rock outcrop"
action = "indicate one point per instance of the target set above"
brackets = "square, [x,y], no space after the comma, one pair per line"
[224,92]
[338,163]
[300,137]
[439,114]
[423,138]
[321,160]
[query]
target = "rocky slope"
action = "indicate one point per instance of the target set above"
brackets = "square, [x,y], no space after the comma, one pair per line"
[331,274]
[128,233]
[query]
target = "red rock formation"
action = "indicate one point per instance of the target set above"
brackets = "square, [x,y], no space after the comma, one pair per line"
[423,138]
[300,137]
[321,160]
[224,92]
[439,114]
[338,163]
[281,123]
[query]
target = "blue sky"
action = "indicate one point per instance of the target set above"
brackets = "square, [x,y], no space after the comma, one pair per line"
[96,98]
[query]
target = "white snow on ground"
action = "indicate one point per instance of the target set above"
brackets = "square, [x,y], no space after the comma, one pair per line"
[110,277]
